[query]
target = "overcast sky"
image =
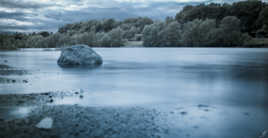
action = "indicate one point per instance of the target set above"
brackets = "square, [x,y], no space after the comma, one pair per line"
[38,15]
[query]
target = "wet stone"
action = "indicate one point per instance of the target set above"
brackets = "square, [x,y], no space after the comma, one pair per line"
[264,134]
[246,114]
[76,134]
[196,127]
[21,101]
[202,106]
[183,113]
[45,94]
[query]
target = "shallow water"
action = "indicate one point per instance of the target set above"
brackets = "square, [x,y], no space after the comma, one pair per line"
[149,75]
[221,89]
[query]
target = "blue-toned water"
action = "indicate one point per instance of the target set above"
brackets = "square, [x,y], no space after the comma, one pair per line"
[149,75]
[232,82]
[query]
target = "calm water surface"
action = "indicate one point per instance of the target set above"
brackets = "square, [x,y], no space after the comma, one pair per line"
[148,75]
[233,82]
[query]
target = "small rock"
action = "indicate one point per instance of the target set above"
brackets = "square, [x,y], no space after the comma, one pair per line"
[81,91]
[196,127]
[246,114]
[183,113]
[76,134]
[46,123]
[21,101]
[202,106]
[81,96]
[76,93]
[264,134]
[13,81]
[51,100]
[25,81]
[5,61]
[27,121]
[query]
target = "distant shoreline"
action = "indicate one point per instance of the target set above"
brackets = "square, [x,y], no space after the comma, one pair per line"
[58,49]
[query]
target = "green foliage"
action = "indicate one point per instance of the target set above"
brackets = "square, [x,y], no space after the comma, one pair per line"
[198,32]
[7,42]
[262,21]
[201,33]
[152,35]
[116,37]
[202,25]
[247,11]
[12,41]
[172,34]
[130,33]
[202,12]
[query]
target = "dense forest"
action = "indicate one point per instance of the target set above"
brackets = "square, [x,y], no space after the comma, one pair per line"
[242,24]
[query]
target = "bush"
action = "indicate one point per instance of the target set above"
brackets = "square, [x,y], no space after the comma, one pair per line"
[172,34]
[199,33]
[153,36]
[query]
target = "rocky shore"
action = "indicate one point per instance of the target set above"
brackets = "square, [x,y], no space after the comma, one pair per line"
[77,121]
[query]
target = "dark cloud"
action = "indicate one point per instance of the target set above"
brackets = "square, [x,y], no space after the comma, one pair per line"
[21,4]
[52,14]
[13,15]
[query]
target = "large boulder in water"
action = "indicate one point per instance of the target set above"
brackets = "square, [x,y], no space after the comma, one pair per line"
[79,55]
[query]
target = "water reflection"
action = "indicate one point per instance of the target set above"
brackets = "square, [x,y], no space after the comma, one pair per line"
[15,112]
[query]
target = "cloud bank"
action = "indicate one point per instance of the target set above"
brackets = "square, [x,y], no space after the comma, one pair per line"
[40,15]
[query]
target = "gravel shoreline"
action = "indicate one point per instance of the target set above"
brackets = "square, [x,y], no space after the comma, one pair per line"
[78,121]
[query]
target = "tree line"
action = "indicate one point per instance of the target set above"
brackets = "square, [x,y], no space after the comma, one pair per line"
[242,23]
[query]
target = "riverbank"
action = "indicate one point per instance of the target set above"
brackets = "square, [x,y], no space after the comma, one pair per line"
[190,93]
[20,115]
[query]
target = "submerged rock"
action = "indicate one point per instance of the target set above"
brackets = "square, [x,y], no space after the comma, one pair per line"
[79,55]
[46,123]
[264,134]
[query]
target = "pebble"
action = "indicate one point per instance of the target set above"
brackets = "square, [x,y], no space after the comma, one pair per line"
[51,100]
[246,114]
[264,134]
[45,123]
[183,113]
[202,106]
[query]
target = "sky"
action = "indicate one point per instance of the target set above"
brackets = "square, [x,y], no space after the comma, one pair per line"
[49,15]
